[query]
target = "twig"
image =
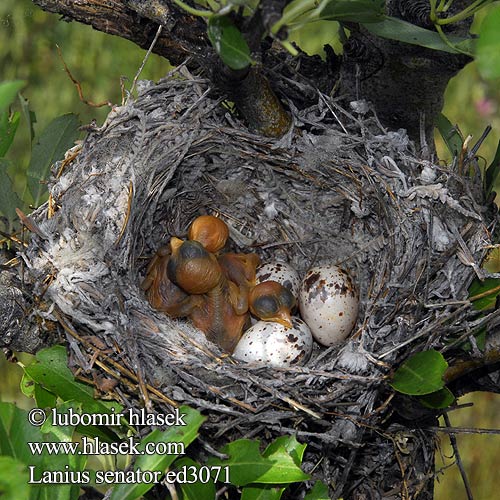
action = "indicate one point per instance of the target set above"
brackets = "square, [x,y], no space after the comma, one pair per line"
[78,85]
[425,331]
[464,430]
[144,61]
[124,371]
[454,445]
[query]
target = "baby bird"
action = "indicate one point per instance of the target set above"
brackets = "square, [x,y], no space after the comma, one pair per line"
[210,231]
[192,267]
[197,271]
[271,301]
[162,294]
[239,269]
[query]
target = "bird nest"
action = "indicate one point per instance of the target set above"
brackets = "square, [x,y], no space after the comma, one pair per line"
[338,188]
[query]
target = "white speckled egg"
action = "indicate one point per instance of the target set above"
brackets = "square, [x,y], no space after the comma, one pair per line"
[282,272]
[328,302]
[271,344]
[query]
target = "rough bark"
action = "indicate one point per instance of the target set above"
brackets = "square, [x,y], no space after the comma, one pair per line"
[405,82]
[137,21]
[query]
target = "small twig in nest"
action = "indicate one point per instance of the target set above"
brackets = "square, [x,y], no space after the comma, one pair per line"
[13,238]
[113,363]
[144,61]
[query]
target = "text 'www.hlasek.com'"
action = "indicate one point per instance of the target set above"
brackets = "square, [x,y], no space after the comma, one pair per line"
[130,446]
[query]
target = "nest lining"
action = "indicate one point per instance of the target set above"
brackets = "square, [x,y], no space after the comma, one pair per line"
[338,188]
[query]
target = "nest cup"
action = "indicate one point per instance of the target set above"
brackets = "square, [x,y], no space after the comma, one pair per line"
[338,188]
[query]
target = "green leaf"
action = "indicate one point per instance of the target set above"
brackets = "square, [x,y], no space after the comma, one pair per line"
[156,462]
[492,171]
[50,370]
[397,29]
[247,465]
[193,488]
[318,492]
[56,139]
[439,399]
[284,470]
[8,92]
[8,197]
[478,287]
[262,492]
[357,11]
[480,337]
[290,445]
[421,374]
[13,479]
[488,46]
[15,434]
[8,128]
[245,462]
[228,42]
[43,398]
[450,135]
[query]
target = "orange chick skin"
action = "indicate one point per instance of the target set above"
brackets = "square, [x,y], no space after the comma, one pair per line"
[198,272]
[240,270]
[162,294]
[210,231]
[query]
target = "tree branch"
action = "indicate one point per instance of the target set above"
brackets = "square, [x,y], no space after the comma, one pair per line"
[138,22]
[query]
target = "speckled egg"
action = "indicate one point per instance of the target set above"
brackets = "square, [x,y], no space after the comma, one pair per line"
[272,344]
[282,272]
[328,302]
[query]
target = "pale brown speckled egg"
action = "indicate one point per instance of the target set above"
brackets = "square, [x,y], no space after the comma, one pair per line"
[328,302]
[281,272]
[272,344]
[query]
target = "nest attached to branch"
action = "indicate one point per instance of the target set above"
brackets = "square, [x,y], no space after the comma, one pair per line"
[338,188]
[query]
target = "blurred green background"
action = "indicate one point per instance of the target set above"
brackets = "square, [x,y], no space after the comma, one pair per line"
[28,39]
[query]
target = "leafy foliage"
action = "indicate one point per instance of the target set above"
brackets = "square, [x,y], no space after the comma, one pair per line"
[228,42]
[358,11]
[402,31]
[260,475]
[491,174]
[247,465]
[54,141]
[15,433]
[420,374]
[438,399]
[488,46]
[450,135]
[156,462]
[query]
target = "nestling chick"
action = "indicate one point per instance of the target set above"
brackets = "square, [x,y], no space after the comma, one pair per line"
[197,271]
[161,293]
[192,267]
[210,231]
[271,301]
[239,269]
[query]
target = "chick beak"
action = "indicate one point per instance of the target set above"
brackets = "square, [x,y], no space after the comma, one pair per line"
[175,244]
[283,317]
